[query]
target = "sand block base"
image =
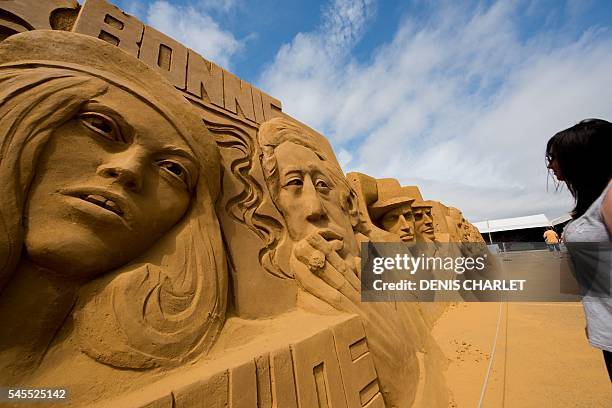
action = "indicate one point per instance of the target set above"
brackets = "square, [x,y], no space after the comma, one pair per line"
[297,360]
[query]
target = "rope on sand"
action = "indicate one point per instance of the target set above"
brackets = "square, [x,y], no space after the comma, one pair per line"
[486,379]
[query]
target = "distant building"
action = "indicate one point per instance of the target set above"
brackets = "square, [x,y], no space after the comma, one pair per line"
[560,222]
[520,233]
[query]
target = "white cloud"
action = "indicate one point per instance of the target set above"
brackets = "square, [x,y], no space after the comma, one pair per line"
[304,72]
[460,103]
[195,29]
[219,5]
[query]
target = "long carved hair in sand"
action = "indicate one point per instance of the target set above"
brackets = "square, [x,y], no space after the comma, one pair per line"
[167,305]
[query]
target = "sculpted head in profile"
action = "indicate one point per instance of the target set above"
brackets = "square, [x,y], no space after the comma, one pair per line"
[108,182]
[393,210]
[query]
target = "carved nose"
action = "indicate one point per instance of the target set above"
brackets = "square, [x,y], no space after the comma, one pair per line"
[403,224]
[313,205]
[126,171]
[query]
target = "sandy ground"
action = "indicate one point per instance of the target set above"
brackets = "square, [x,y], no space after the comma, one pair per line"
[521,355]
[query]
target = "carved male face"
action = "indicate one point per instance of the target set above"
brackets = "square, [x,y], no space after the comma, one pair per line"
[110,182]
[399,221]
[423,222]
[309,199]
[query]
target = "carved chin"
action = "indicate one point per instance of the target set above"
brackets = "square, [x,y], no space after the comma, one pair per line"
[81,259]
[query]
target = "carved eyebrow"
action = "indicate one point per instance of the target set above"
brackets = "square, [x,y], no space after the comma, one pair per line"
[101,108]
[393,213]
[292,170]
[180,152]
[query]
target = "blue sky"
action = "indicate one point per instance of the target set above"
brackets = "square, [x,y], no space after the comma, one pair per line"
[456,97]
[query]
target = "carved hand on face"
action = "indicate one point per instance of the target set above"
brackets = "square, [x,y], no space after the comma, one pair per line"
[399,221]
[320,271]
[111,181]
[324,246]
[423,222]
[309,200]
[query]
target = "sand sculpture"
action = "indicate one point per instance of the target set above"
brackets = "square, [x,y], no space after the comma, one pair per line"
[392,211]
[441,227]
[423,221]
[175,240]
[464,231]
[110,183]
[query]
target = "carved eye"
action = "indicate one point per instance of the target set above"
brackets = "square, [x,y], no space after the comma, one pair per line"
[391,217]
[321,185]
[175,169]
[102,125]
[295,182]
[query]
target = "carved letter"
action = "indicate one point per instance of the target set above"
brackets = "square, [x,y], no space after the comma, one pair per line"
[356,363]
[164,54]
[102,20]
[317,372]
[30,16]
[283,381]
[204,79]
[243,386]
[271,106]
[238,95]
[258,105]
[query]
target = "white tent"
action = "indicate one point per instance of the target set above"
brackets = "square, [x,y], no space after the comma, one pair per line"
[516,223]
[561,219]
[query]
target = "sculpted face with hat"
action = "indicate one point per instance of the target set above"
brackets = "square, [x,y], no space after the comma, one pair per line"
[423,220]
[105,169]
[392,211]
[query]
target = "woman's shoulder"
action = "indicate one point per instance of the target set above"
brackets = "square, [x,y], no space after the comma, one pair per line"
[593,224]
[605,209]
[594,209]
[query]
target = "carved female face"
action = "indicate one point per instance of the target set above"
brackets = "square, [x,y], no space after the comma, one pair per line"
[111,181]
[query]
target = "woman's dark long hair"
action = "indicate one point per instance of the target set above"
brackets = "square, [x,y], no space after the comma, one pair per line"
[583,154]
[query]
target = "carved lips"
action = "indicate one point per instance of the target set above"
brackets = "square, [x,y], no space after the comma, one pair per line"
[104,203]
[107,200]
[406,237]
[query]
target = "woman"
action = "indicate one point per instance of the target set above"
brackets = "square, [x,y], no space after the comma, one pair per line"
[580,157]
[104,170]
